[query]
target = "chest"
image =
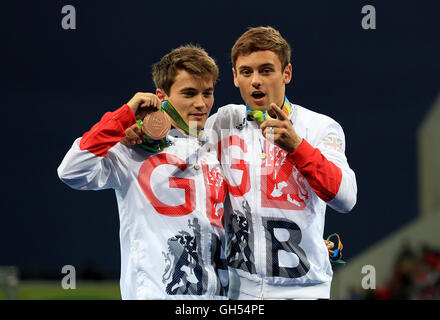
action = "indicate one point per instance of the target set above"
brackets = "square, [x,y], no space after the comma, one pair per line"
[184,178]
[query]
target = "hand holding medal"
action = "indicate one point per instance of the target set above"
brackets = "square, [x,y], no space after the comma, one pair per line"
[151,131]
[150,122]
[142,103]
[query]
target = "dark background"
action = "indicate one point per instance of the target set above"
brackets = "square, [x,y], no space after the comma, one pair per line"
[55,84]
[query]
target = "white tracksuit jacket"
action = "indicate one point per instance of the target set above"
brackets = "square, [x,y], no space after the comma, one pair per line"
[275,212]
[170,212]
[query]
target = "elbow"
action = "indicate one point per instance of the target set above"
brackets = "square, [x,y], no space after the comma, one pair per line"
[62,173]
[69,178]
[346,197]
[348,205]
[345,202]
[64,176]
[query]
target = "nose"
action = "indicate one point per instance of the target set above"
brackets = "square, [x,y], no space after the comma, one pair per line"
[256,80]
[199,103]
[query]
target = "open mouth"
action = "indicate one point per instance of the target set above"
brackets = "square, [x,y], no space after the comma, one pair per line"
[258,95]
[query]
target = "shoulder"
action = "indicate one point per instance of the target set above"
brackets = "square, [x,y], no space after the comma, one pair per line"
[317,125]
[227,115]
[313,119]
[309,116]
[231,111]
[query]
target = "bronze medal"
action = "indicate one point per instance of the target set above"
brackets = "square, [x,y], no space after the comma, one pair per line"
[156,125]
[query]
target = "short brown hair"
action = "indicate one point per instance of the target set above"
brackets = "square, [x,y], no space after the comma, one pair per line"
[262,38]
[191,58]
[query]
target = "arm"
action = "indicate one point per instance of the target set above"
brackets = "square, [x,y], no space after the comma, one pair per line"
[325,167]
[91,164]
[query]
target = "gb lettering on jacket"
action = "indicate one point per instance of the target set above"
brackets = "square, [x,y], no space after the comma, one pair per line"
[280,183]
[186,185]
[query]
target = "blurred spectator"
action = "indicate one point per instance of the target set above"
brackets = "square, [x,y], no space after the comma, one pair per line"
[92,272]
[415,275]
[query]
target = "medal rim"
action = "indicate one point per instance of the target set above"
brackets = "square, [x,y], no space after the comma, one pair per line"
[156,133]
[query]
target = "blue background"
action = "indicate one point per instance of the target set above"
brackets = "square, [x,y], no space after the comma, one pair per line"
[55,84]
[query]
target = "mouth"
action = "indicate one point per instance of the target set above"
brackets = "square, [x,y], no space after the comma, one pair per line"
[197,116]
[258,96]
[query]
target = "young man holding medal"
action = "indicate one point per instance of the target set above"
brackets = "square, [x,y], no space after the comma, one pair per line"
[283,165]
[170,195]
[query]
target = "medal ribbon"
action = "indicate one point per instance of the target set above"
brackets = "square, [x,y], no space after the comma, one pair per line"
[169,109]
[337,255]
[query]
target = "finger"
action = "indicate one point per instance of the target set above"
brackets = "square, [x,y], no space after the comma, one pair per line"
[148,100]
[135,128]
[139,135]
[270,123]
[155,102]
[125,141]
[267,131]
[271,136]
[329,244]
[280,114]
[158,104]
[138,131]
[133,136]
[274,131]
[128,142]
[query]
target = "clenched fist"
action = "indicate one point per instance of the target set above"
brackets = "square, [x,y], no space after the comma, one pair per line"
[133,135]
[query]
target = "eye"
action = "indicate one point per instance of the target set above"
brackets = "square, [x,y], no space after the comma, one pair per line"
[245,72]
[267,70]
[188,94]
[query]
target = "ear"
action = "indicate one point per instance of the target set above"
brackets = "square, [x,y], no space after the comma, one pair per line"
[287,74]
[160,93]
[235,77]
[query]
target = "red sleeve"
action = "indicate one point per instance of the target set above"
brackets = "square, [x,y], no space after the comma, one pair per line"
[108,131]
[322,175]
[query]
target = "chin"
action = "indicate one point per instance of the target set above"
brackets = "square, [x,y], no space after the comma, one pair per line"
[257,107]
[201,125]
[197,124]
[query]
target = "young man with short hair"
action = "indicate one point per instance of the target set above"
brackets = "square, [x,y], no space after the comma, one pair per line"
[283,165]
[169,194]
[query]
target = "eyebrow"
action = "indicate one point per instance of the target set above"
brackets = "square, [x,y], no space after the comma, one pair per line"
[259,67]
[191,89]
